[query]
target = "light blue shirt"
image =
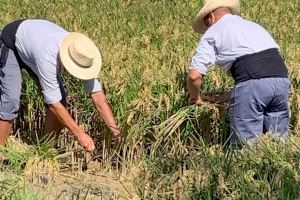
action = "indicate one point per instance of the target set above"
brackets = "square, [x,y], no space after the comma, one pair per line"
[38,43]
[231,37]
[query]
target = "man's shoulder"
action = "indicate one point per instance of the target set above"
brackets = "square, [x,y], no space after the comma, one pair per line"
[226,22]
[40,35]
[232,24]
[40,27]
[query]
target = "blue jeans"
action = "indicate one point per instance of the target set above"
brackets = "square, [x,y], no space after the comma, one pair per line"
[10,88]
[258,106]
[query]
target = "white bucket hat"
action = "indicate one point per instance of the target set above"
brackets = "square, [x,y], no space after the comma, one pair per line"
[80,56]
[209,6]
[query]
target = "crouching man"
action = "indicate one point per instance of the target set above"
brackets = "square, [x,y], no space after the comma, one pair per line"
[259,101]
[46,50]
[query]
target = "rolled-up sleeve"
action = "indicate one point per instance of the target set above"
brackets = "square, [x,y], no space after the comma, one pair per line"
[48,77]
[52,96]
[92,85]
[205,55]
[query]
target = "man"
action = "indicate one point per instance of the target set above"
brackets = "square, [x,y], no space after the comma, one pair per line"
[259,101]
[46,50]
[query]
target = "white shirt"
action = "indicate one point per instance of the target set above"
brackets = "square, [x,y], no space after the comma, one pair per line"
[38,43]
[231,37]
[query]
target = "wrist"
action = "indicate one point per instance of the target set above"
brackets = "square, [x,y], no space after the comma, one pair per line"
[115,131]
[77,131]
[193,99]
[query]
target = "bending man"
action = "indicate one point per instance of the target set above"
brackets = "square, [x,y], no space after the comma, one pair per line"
[259,101]
[46,50]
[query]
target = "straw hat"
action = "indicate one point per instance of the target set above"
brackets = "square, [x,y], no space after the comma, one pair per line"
[80,56]
[209,6]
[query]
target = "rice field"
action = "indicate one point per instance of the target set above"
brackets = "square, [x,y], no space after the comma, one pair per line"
[171,150]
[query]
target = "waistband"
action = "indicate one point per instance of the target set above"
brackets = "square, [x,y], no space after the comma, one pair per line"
[263,64]
[8,35]
[8,38]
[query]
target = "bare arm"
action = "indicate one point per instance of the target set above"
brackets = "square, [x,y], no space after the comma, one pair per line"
[102,106]
[66,120]
[194,80]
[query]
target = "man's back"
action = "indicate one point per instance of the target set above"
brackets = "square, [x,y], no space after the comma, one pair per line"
[242,35]
[38,40]
[233,37]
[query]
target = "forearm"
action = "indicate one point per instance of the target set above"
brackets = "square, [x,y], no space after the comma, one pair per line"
[105,112]
[65,118]
[193,88]
[62,114]
[194,80]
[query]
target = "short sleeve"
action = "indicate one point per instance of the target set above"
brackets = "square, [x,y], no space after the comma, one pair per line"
[48,77]
[92,85]
[205,55]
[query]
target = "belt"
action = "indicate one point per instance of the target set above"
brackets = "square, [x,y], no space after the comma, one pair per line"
[263,64]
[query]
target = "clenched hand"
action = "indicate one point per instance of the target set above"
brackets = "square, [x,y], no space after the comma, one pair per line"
[86,142]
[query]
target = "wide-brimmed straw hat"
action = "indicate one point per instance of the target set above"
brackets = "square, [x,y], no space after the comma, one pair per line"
[209,6]
[80,56]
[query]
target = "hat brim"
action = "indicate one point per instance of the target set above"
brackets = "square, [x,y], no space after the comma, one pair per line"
[73,68]
[199,26]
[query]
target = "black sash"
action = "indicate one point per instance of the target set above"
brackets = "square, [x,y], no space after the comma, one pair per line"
[8,35]
[264,64]
[8,38]
[4,53]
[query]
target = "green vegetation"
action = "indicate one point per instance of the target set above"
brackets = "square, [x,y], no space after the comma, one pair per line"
[171,150]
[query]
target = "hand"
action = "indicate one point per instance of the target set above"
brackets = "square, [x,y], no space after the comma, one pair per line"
[210,98]
[86,142]
[118,135]
[195,100]
[214,98]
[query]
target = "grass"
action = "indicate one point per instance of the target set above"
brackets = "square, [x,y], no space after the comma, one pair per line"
[171,151]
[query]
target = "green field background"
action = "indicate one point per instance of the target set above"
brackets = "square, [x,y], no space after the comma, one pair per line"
[147,47]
